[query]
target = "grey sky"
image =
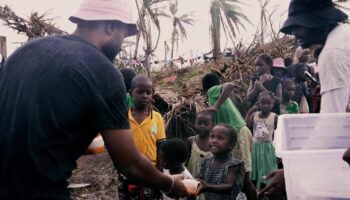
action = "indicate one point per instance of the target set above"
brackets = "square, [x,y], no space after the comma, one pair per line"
[198,40]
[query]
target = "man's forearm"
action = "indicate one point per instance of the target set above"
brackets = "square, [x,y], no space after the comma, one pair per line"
[144,173]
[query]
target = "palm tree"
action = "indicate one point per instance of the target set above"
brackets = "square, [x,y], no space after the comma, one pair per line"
[227,14]
[166,50]
[149,15]
[178,24]
[263,18]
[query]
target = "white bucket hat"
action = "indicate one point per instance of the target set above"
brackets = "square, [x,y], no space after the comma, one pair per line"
[98,10]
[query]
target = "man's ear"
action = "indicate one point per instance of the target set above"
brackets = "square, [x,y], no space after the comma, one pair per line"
[109,27]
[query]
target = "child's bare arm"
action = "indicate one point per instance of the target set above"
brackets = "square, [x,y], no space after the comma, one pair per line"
[226,187]
[226,90]
[252,91]
[189,142]
[249,189]
[249,118]
[276,120]
[278,93]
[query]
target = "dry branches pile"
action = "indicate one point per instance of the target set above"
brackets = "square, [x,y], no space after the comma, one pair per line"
[180,121]
[34,27]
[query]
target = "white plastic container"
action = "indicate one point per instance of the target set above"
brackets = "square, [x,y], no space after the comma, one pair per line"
[311,147]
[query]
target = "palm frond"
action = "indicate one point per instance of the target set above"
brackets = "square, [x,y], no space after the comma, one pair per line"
[227,13]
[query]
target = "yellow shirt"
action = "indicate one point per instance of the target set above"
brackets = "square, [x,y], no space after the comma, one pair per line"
[147,134]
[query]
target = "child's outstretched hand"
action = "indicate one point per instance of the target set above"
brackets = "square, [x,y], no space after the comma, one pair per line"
[202,186]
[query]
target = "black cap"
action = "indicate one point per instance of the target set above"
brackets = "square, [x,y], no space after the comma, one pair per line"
[312,14]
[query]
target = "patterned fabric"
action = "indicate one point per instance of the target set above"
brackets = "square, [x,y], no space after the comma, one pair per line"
[129,190]
[263,153]
[263,128]
[289,109]
[219,175]
[194,164]
[243,148]
[147,134]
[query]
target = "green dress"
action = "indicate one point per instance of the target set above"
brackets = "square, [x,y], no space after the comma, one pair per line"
[290,109]
[263,153]
[229,114]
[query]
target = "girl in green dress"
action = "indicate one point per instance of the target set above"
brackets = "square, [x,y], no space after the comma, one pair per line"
[263,123]
[288,106]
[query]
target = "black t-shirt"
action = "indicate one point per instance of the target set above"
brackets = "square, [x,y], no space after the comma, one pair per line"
[56,94]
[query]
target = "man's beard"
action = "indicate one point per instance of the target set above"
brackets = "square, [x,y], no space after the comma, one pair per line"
[110,51]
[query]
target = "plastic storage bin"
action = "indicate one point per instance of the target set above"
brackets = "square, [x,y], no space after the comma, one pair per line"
[311,147]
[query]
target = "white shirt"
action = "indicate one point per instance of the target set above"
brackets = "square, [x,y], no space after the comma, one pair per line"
[185,173]
[334,60]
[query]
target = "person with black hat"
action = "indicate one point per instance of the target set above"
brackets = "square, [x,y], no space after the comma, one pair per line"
[56,94]
[319,22]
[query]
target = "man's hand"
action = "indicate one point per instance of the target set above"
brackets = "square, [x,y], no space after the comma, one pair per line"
[276,184]
[202,187]
[179,189]
[346,156]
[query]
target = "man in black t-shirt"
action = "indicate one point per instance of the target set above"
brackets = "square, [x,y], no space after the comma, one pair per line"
[56,94]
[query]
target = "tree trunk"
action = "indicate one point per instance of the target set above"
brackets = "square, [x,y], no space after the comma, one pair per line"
[148,55]
[262,27]
[165,51]
[172,52]
[137,45]
[3,49]
[215,28]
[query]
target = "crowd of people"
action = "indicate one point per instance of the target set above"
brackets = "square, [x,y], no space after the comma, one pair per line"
[57,93]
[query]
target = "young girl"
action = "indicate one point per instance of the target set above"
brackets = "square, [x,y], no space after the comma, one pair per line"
[288,106]
[199,144]
[147,127]
[173,155]
[263,123]
[227,112]
[221,176]
[264,81]
[301,94]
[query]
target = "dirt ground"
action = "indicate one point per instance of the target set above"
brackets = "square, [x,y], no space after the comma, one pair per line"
[98,171]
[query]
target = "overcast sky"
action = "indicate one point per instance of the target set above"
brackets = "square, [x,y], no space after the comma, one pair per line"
[198,40]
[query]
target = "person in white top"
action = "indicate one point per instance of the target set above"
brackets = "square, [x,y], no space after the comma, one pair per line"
[173,154]
[319,22]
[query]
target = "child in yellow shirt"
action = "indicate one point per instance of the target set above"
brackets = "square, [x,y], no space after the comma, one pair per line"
[148,130]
